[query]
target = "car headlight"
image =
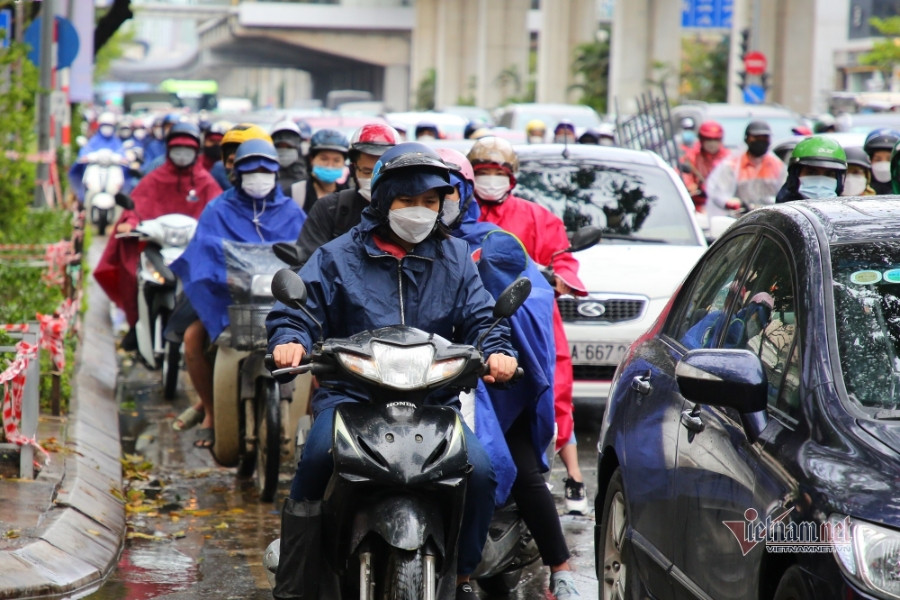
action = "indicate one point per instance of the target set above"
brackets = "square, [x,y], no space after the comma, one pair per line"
[868,554]
[403,368]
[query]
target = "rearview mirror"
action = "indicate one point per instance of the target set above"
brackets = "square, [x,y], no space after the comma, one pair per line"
[289,253]
[512,298]
[685,168]
[585,237]
[125,201]
[289,289]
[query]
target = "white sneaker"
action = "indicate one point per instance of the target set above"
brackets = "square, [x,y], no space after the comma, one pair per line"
[562,586]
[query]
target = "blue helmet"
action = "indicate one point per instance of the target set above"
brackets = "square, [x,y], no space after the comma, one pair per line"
[881,139]
[328,139]
[184,129]
[410,155]
[305,129]
[254,154]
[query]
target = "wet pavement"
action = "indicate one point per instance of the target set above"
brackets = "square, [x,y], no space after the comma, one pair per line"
[196,531]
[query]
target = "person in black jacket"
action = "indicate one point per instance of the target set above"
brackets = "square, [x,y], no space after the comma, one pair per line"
[335,214]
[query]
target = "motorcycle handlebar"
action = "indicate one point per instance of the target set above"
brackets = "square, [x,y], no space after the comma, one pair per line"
[305,366]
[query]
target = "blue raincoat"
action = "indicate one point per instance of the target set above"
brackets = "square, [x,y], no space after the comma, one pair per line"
[502,259]
[231,217]
[353,286]
[97,142]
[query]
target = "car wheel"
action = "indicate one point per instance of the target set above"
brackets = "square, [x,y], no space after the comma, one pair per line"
[793,586]
[609,551]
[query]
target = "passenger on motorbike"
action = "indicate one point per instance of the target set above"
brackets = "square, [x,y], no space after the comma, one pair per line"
[255,211]
[287,139]
[525,412]
[182,186]
[397,266]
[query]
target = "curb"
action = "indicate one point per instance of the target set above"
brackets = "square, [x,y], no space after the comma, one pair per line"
[80,535]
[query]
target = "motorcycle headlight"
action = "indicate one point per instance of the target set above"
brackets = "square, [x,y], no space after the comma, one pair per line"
[869,555]
[445,369]
[261,285]
[150,272]
[401,368]
[177,236]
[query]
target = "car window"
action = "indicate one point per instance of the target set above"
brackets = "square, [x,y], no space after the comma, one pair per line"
[866,280]
[765,322]
[622,198]
[699,321]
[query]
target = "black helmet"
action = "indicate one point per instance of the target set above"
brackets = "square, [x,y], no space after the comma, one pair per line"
[758,128]
[410,155]
[881,139]
[184,129]
[328,139]
[857,156]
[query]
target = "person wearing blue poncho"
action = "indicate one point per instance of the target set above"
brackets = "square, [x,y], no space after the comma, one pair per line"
[254,211]
[516,424]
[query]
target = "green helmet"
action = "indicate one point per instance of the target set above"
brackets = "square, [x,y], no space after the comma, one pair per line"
[818,151]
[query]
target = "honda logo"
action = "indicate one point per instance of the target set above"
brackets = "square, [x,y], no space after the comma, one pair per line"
[591,309]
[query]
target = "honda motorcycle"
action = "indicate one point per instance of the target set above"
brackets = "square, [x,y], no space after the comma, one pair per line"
[103,179]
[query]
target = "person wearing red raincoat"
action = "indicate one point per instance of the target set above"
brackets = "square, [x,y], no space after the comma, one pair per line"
[180,185]
[543,234]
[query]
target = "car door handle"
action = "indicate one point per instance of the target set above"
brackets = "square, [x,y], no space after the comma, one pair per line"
[641,384]
[690,418]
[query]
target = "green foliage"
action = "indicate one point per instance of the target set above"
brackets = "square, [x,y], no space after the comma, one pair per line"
[511,77]
[885,53]
[17,92]
[704,68]
[112,50]
[592,65]
[425,93]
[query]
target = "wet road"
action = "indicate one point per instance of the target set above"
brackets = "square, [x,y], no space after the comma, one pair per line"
[196,531]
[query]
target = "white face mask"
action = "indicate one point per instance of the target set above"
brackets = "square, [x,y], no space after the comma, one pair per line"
[257,185]
[817,186]
[365,188]
[450,212]
[881,171]
[288,156]
[182,156]
[412,224]
[536,139]
[491,188]
[854,185]
[107,130]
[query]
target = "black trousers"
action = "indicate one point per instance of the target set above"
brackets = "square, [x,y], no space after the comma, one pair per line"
[535,502]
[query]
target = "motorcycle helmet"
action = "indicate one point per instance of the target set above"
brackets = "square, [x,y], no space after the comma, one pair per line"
[328,139]
[462,176]
[408,168]
[494,151]
[427,128]
[183,134]
[711,130]
[305,130]
[256,153]
[857,156]
[237,135]
[535,127]
[286,132]
[881,139]
[757,128]
[219,128]
[106,118]
[818,151]
[458,162]
[374,139]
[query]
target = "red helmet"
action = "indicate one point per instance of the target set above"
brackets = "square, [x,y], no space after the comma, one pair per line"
[374,139]
[457,161]
[711,130]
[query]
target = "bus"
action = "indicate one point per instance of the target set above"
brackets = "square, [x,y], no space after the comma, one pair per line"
[196,94]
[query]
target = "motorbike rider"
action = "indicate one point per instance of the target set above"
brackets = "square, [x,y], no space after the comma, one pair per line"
[543,234]
[701,159]
[335,214]
[286,136]
[442,294]
[536,131]
[879,145]
[104,139]
[522,416]
[746,180]
[212,143]
[859,173]
[180,185]
[254,211]
[427,131]
[234,137]
[155,154]
[817,169]
[564,133]
[687,137]
[328,149]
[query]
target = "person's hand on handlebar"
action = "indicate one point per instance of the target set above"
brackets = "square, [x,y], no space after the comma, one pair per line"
[502,368]
[289,355]
[733,204]
[561,287]
[124,228]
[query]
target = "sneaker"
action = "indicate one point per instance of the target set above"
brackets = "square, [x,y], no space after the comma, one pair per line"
[576,501]
[562,586]
[465,591]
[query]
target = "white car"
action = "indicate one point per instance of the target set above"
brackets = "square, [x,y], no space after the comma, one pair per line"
[650,243]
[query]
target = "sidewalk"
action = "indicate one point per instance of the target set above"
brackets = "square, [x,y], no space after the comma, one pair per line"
[62,533]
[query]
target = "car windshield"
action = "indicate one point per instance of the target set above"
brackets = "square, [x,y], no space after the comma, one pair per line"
[735,127]
[625,199]
[580,119]
[867,314]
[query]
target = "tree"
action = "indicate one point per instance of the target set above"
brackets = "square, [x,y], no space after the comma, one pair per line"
[592,64]
[704,69]
[884,53]
[110,22]
[425,93]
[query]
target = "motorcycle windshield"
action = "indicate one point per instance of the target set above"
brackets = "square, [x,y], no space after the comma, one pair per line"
[249,271]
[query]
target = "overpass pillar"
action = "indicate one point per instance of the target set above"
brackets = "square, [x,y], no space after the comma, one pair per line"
[456,47]
[646,46]
[502,57]
[565,24]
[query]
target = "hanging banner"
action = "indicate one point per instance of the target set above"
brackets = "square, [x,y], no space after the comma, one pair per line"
[81,82]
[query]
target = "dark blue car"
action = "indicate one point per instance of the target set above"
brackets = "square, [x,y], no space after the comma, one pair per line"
[751,445]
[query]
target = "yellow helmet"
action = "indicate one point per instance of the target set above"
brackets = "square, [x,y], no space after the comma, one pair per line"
[536,127]
[494,150]
[242,132]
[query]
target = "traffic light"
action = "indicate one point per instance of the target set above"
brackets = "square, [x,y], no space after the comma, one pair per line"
[764,80]
[742,79]
[745,42]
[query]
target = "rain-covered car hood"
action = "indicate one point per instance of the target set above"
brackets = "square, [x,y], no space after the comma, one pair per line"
[652,270]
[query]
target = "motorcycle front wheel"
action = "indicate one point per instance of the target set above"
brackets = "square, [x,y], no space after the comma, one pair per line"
[404,576]
[171,364]
[268,437]
[102,222]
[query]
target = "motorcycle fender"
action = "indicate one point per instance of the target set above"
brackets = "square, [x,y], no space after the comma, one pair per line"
[103,201]
[252,368]
[404,522]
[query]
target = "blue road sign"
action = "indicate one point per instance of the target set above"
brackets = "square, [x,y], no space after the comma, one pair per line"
[5,25]
[754,94]
[67,42]
[707,14]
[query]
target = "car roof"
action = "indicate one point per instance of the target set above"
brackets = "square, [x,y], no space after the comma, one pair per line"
[846,219]
[717,109]
[592,151]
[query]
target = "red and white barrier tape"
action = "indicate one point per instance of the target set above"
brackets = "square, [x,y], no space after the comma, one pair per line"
[13,381]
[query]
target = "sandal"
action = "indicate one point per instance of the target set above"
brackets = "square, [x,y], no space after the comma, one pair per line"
[188,419]
[205,438]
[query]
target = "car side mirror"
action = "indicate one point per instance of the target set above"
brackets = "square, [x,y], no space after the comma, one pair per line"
[727,378]
[685,168]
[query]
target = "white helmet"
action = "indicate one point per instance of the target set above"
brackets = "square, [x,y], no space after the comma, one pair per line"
[106,118]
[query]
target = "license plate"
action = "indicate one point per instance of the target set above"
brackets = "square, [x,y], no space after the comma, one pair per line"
[592,353]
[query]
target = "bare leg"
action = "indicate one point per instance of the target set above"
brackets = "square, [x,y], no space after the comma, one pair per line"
[200,369]
[569,456]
